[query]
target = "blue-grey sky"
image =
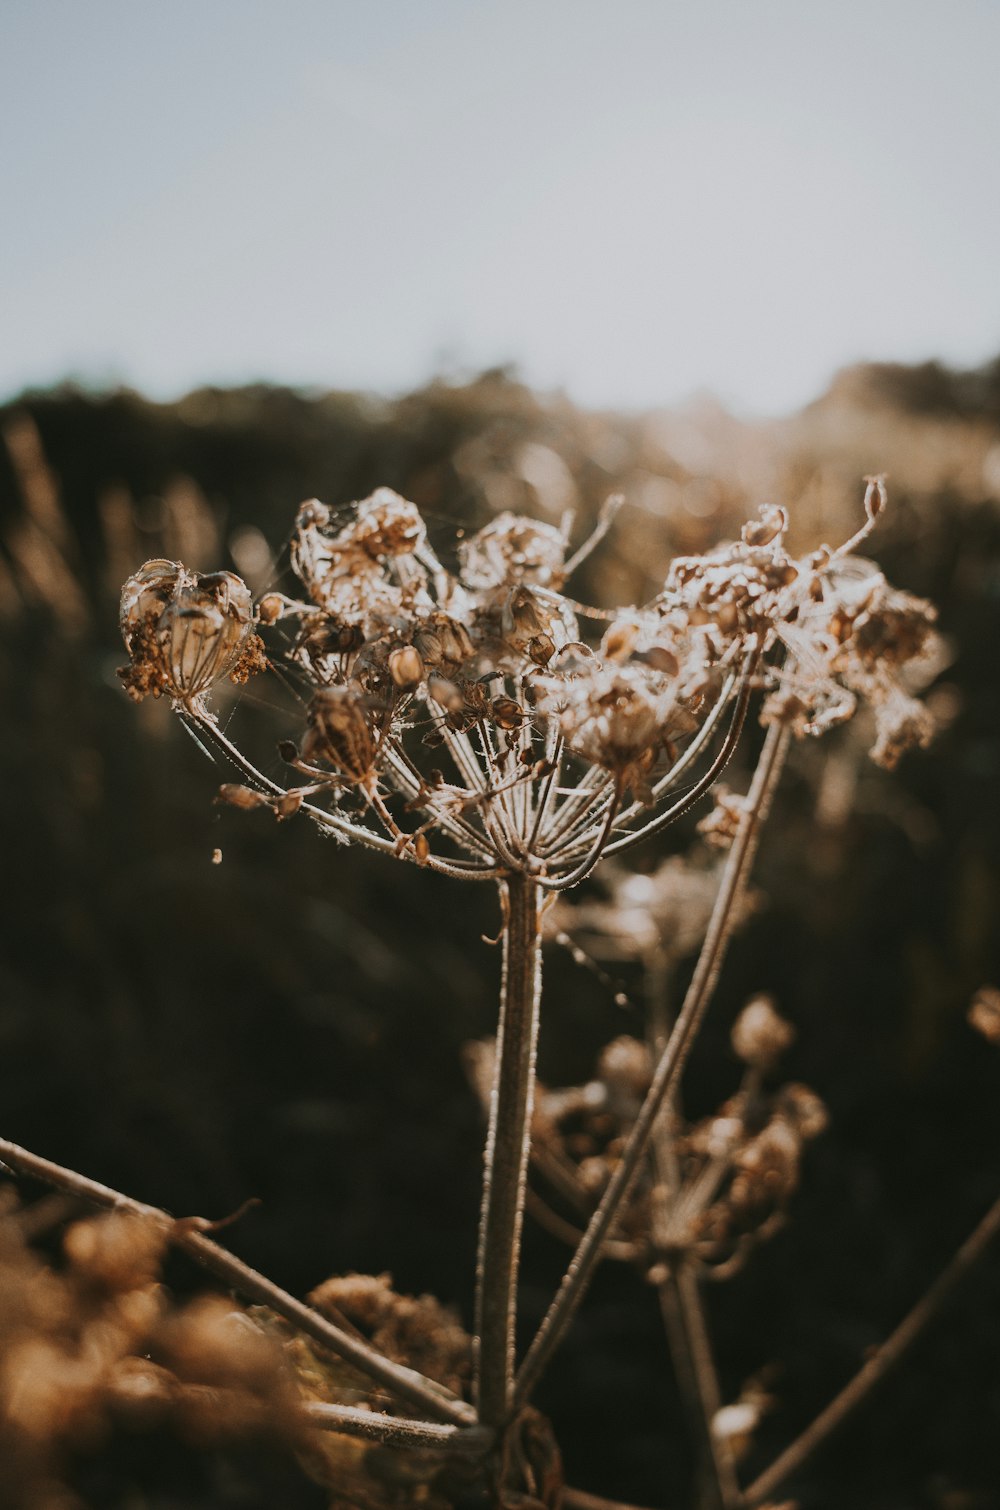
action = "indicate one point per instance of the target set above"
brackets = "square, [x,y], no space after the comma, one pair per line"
[631,200]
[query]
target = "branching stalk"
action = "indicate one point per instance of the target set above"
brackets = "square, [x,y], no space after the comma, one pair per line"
[398,1431]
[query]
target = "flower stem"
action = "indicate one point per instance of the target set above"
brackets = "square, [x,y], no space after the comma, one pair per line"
[507,1147]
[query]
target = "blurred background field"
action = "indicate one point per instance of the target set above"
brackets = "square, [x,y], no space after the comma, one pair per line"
[289,1023]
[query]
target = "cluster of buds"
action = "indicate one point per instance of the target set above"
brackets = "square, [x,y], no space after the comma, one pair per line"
[731,1175]
[562,745]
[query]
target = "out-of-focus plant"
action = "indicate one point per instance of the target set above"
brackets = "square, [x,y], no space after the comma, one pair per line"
[569,735]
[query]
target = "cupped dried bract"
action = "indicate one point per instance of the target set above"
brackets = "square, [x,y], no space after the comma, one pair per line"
[185,631]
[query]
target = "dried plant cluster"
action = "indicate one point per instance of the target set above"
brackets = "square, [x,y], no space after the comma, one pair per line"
[479,721]
[563,745]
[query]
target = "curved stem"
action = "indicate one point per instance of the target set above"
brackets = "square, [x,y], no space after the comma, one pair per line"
[594,854]
[699,994]
[507,1147]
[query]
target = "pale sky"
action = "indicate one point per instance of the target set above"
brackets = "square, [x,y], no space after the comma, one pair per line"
[632,201]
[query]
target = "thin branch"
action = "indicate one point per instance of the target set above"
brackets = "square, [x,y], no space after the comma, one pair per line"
[397,1431]
[464,870]
[605,519]
[699,994]
[590,860]
[844,1405]
[566,1232]
[720,1469]
[404,1382]
[704,782]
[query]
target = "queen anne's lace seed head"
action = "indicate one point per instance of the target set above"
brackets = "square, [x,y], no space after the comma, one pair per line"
[561,738]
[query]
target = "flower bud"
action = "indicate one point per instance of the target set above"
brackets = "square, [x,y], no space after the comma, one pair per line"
[405,667]
[339,732]
[759,1035]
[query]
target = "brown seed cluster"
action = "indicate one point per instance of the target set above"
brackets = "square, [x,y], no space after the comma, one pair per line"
[93,1343]
[731,1176]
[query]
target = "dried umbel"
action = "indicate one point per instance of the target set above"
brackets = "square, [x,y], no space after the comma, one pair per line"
[185,631]
[563,745]
[734,1172]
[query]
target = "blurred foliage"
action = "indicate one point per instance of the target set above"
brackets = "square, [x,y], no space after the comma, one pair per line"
[288,1023]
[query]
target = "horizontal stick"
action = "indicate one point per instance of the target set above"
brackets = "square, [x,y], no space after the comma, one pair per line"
[402,1381]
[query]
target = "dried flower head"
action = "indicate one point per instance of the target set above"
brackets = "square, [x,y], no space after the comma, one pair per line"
[185,631]
[511,550]
[563,746]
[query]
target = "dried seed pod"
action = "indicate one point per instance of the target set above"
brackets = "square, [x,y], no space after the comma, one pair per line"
[506,713]
[244,797]
[405,667]
[339,732]
[184,631]
[443,641]
[271,607]
[620,640]
[760,1036]
[876,496]
[287,805]
[541,649]
[661,659]
[770,523]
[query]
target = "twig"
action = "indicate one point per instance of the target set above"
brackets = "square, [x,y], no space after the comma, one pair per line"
[404,1382]
[699,994]
[397,1431]
[842,1406]
[719,1470]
